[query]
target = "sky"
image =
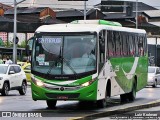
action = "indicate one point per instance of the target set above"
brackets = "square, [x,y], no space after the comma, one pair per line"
[154,3]
[11,1]
[55,3]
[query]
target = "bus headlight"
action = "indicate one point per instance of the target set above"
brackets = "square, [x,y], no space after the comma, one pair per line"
[88,83]
[37,82]
[85,84]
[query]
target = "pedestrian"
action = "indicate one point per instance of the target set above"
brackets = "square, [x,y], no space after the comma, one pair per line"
[1,61]
[8,61]
[4,59]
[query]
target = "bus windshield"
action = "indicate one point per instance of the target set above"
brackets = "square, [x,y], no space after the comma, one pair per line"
[64,54]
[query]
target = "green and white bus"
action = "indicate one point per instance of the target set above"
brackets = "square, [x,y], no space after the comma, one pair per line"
[116,62]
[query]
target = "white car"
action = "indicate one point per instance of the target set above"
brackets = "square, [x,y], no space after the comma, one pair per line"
[12,77]
[153,76]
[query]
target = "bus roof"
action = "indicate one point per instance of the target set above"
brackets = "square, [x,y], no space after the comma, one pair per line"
[84,27]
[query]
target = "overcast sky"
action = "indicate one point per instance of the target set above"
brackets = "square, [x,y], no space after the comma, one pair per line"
[154,3]
[11,1]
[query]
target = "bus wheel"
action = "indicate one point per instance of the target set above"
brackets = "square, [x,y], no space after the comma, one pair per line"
[102,103]
[132,94]
[51,104]
[123,98]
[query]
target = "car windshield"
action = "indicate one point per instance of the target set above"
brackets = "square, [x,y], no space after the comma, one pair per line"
[151,70]
[64,55]
[3,69]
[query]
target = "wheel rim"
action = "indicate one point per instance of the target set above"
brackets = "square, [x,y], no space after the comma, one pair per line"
[134,91]
[6,89]
[24,88]
[105,100]
[155,83]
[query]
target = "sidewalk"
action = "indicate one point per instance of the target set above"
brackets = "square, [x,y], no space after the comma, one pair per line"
[118,111]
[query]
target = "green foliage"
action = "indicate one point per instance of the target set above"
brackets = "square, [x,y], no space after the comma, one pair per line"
[22,44]
[8,44]
[1,42]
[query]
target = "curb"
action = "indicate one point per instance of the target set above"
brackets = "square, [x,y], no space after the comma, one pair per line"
[117,111]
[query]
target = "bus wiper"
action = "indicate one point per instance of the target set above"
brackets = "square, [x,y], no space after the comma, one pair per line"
[64,60]
[60,58]
[52,66]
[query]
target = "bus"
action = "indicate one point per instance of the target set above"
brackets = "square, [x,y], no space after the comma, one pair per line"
[61,71]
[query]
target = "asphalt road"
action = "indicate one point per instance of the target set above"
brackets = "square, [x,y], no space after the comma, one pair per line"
[69,109]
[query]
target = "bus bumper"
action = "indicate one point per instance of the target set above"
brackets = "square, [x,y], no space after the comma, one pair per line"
[88,93]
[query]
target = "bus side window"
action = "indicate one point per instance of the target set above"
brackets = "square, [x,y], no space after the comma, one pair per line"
[118,44]
[140,46]
[136,46]
[131,46]
[145,44]
[102,46]
[111,44]
[125,44]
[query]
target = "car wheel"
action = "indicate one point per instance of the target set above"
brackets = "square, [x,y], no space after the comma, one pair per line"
[51,104]
[23,88]
[155,84]
[5,89]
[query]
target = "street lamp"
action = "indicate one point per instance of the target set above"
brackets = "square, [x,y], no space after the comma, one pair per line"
[15,32]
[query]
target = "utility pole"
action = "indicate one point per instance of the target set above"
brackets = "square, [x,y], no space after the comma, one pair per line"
[15,32]
[84,10]
[136,14]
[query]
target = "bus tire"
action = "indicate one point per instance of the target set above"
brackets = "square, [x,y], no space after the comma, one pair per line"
[132,94]
[123,98]
[51,103]
[103,102]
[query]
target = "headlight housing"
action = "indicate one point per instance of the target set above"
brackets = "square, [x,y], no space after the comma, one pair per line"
[88,83]
[1,78]
[38,82]
[151,77]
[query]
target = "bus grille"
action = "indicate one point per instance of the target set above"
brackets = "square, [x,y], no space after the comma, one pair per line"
[60,88]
